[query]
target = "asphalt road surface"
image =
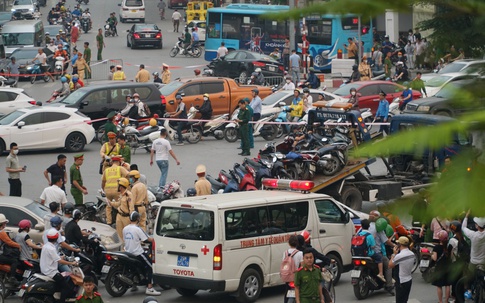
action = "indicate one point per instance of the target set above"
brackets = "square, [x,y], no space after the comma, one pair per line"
[214,154]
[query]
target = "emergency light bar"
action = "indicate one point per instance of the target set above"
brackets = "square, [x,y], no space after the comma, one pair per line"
[302,185]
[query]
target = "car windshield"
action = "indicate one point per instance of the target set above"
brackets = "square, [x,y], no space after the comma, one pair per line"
[22,2]
[452,68]
[8,119]
[170,88]
[145,27]
[437,81]
[345,90]
[183,223]
[273,98]
[38,209]
[73,97]
[23,54]
[133,3]
[18,39]
[448,91]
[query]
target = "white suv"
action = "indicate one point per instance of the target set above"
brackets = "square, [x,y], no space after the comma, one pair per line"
[25,7]
[132,9]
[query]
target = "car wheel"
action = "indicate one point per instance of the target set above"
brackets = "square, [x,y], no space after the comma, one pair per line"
[132,45]
[75,142]
[128,42]
[250,286]
[443,113]
[335,268]
[351,197]
[243,77]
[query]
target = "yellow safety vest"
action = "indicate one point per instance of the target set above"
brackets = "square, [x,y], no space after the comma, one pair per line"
[118,75]
[114,152]
[112,175]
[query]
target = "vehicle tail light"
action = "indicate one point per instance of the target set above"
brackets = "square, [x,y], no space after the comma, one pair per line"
[136,35]
[217,259]
[32,102]
[424,250]
[126,9]
[158,36]
[291,284]
[259,64]
[357,262]
[163,100]
[281,68]
[109,257]
[141,9]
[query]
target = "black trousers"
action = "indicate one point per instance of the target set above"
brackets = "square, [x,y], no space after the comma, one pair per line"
[13,262]
[61,284]
[15,187]
[402,291]
[148,266]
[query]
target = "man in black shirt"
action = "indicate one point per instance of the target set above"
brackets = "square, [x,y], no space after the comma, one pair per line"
[57,169]
[72,231]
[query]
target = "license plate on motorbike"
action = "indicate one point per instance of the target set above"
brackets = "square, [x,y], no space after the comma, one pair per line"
[313,167]
[21,292]
[424,263]
[183,261]
[290,293]
[355,274]
[272,68]
[105,269]
[26,274]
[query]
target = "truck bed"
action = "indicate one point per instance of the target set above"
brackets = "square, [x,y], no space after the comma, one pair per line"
[353,166]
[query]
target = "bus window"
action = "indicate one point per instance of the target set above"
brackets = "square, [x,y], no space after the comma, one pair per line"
[214,25]
[320,31]
[231,25]
[352,23]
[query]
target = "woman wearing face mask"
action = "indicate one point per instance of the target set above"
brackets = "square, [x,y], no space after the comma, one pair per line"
[307,100]
[364,70]
[206,109]
[288,84]
[354,99]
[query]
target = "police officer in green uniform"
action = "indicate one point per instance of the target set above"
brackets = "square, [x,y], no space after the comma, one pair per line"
[109,126]
[125,150]
[243,119]
[77,188]
[307,281]
[89,295]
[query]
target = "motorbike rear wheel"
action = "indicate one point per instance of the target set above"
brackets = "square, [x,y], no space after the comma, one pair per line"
[361,291]
[197,52]
[332,167]
[173,52]
[231,134]
[269,132]
[280,131]
[114,286]
[194,135]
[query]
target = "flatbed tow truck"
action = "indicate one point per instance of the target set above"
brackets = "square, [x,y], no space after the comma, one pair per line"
[350,185]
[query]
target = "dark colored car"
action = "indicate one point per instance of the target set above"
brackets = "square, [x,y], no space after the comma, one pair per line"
[144,34]
[100,98]
[447,102]
[368,92]
[241,64]
[24,58]
[174,4]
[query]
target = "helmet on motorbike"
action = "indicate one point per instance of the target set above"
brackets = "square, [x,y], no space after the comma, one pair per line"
[56,221]
[77,214]
[123,182]
[68,77]
[197,72]
[69,208]
[150,300]
[191,192]
[381,224]
[153,122]
[306,235]
[443,235]
[258,70]
[52,234]
[63,79]
[306,90]
[389,231]
[126,121]
[155,74]
[24,224]
[134,173]
[134,216]
[455,226]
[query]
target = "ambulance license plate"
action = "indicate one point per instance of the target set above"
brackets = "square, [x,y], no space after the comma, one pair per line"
[183,261]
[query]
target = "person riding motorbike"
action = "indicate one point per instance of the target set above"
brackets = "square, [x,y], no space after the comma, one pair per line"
[73,232]
[133,235]
[12,261]
[25,241]
[312,81]
[65,89]
[60,52]
[194,40]
[257,77]
[156,78]
[206,109]
[129,105]
[113,22]
[87,15]
[187,39]
[77,12]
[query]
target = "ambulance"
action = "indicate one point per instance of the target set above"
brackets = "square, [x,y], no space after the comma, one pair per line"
[235,242]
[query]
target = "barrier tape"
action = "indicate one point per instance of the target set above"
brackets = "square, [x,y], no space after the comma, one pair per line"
[28,75]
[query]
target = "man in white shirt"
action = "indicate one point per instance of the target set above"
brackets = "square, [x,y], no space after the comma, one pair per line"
[477,239]
[176,16]
[289,85]
[54,193]
[405,259]
[162,148]
[133,235]
[222,50]
[50,261]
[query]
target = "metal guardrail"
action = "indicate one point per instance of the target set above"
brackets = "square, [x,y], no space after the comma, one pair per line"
[100,69]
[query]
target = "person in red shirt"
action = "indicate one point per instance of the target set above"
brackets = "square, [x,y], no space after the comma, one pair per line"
[60,52]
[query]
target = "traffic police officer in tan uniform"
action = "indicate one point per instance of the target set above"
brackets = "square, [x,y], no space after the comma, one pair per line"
[109,149]
[109,184]
[140,197]
[124,205]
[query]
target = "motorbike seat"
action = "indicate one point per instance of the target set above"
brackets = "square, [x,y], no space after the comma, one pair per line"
[322,151]
[214,182]
[5,267]
[148,130]
[45,278]
[9,82]
[254,164]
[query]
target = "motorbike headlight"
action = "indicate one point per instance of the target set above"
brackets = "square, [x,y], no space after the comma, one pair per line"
[29,67]
[423,108]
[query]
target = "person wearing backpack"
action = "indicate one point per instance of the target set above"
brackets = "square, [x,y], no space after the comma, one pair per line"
[459,252]
[370,246]
[292,258]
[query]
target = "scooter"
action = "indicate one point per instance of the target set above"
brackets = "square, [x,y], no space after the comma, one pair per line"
[4,82]
[85,24]
[283,118]
[108,31]
[59,66]
[215,127]
[141,139]
[267,131]
[262,168]
[246,177]
[364,277]
[191,132]
[95,211]
[38,74]
[425,252]
[178,49]
[217,187]
[230,180]
[172,190]
[41,288]
[25,270]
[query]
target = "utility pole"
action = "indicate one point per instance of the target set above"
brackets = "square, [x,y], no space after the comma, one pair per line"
[359,37]
[292,27]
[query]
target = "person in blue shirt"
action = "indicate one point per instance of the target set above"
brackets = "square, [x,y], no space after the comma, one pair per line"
[382,111]
[406,96]
[371,244]
[195,38]
[312,81]
[77,12]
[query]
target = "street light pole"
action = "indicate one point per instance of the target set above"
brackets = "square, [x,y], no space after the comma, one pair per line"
[359,37]
[292,27]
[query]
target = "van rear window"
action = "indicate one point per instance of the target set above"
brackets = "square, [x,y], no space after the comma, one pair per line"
[266,220]
[181,223]
[133,3]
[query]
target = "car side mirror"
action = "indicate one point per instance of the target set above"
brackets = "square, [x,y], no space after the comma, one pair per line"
[20,124]
[39,227]
[182,94]
[347,217]
[85,103]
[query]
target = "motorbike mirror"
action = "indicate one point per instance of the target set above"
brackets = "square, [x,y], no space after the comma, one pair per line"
[39,227]
[20,124]
[282,103]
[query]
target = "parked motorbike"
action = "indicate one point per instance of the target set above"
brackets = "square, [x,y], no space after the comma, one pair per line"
[4,82]
[141,138]
[230,180]
[191,132]
[267,131]
[245,176]
[123,270]
[364,277]
[85,23]
[331,158]
[38,74]
[262,167]
[178,49]
[41,288]
[426,263]
[25,270]
[95,211]
[108,31]
[217,187]
[172,190]
[215,127]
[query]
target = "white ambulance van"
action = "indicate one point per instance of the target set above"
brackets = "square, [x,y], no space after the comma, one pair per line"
[235,242]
